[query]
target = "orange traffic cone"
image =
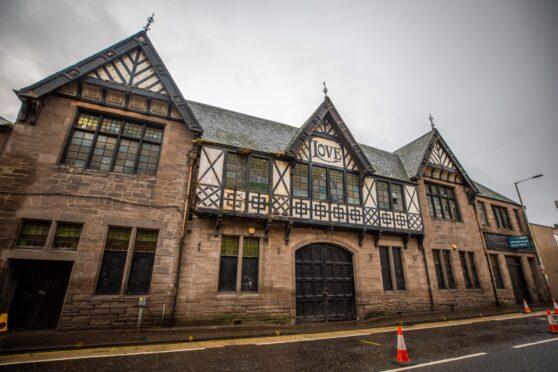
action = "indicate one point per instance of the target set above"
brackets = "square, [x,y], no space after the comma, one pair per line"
[552,326]
[526,309]
[402,357]
[555,305]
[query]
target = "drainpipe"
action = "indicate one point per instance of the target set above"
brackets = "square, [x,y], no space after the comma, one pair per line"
[430,294]
[192,156]
[486,255]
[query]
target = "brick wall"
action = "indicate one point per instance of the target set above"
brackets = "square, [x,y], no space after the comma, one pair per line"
[34,185]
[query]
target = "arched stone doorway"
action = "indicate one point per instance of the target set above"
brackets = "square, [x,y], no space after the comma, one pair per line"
[325,287]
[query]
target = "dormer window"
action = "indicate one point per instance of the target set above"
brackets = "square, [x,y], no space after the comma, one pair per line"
[390,196]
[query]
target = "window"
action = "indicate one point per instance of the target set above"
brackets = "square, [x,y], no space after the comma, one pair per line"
[390,196]
[392,268]
[383,195]
[482,212]
[300,180]
[67,236]
[229,265]
[33,233]
[143,258]
[115,257]
[319,184]
[397,197]
[496,271]
[444,272]
[470,276]
[114,145]
[519,220]
[235,177]
[442,203]
[336,188]
[501,217]
[353,188]
[259,175]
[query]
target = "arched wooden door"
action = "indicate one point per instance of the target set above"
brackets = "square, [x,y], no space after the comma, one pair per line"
[324,284]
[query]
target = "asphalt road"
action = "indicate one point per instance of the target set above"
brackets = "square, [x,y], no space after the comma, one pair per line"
[493,341]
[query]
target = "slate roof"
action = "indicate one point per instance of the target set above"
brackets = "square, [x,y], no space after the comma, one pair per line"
[412,153]
[5,122]
[488,193]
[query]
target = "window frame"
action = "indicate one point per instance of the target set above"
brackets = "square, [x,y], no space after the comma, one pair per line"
[240,266]
[483,214]
[390,196]
[97,131]
[396,282]
[432,197]
[441,253]
[496,271]
[502,217]
[51,234]
[469,269]
[123,288]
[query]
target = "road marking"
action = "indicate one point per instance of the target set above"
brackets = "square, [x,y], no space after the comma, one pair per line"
[102,355]
[436,362]
[370,343]
[266,340]
[534,343]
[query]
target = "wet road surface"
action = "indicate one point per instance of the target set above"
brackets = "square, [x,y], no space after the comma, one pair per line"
[361,353]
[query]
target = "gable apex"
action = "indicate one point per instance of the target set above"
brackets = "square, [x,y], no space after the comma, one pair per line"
[153,75]
[327,121]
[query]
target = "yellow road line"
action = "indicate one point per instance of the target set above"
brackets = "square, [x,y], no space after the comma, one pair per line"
[85,353]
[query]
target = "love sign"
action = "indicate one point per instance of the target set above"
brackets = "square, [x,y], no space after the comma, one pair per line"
[326,152]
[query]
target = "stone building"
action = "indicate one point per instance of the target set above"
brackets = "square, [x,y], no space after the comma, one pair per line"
[117,191]
[547,242]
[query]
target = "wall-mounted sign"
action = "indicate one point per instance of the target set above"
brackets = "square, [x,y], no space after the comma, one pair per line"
[327,152]
[519,242]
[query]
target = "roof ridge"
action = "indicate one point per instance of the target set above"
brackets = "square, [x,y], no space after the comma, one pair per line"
[240,113]
[413,141]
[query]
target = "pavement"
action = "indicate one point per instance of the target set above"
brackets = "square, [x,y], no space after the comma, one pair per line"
[33,341]
[501,342]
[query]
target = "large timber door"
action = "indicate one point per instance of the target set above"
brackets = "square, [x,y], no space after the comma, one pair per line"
[518,279]
[39,295]
[324,284]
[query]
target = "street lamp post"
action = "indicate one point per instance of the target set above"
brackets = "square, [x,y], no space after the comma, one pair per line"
[541,265]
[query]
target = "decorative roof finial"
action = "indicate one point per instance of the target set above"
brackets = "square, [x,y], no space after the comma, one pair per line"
[325,89]
[431,121]
[150,21]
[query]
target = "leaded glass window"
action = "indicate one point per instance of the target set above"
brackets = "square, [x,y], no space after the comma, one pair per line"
[113,145]
[235,177]
[336,187]
[353,188]
[67,236]
[259,175]
[300,180]
[442,202]
[501,217]
[114,261]
[33,233]
[228,264]
[383,195]
[143,258]
[319,184]
[397,197]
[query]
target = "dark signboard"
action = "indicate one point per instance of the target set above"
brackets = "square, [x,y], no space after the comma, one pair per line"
[519,242]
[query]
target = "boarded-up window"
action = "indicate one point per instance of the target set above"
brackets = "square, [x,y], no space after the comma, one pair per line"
[67,236]
[471,257]
[449,271]
[398,268]
[228,264]
[439,270]
[114,261]
[465,270]
[250,255]
[496,271]
[392,268]
[33,233]
[143,258]
[444,272]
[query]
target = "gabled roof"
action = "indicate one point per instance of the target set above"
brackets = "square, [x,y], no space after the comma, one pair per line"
[326,108]
[488,193]
[244,131]
[119,50]
[413,153]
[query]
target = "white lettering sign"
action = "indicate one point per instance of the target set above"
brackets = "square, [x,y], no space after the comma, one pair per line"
[326,152]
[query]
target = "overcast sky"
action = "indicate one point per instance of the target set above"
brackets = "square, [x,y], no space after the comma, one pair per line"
[487,70]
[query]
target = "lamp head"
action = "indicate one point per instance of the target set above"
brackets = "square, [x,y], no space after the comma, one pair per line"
[537,176]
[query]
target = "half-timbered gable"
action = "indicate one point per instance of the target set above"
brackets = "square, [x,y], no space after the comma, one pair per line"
[320,175]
